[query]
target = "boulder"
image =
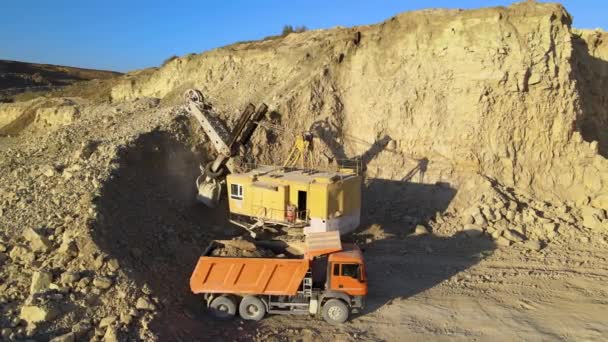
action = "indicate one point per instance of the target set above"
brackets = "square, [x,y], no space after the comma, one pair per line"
[513,235]
[113,265]
[41,281]
[533,245]
[69,337]
[49,171]
[593,217]
[126,318]
[489,214]
[501,241]
[420,230]
[38,313]
[497,233]
[69,277]
[102,282]
[38,243]
[111,335]
[501,225]
[20,253]
[143,303]
[68,247]
[467,219]
[106,321]
[480,220]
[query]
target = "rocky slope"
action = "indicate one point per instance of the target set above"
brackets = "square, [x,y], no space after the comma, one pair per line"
[498,91]
[484,127]
[17,77]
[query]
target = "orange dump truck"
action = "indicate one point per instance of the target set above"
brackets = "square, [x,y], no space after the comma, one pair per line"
[327,279]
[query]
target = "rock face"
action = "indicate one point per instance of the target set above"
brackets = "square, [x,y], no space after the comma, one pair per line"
[496,91]
[487,123]
[40,113]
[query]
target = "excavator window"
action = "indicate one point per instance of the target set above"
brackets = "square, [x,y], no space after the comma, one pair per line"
[236,191]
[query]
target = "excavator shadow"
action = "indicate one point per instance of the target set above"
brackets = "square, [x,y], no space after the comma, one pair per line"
[399,263]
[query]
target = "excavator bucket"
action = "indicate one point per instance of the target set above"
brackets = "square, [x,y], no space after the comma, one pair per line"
[209,192]
[228,144]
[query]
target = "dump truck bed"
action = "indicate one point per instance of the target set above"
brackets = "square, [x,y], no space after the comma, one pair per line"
[269,276]
[244,272]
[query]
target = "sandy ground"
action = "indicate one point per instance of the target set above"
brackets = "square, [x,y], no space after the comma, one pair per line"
[428,288]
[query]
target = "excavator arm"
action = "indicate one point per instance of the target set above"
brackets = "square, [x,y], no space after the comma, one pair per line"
[228,144]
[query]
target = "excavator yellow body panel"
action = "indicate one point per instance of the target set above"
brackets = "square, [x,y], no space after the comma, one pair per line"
[320,201]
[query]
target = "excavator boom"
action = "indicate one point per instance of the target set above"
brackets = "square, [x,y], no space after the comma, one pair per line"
[227,144]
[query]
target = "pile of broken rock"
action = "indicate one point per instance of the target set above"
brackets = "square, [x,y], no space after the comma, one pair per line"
[517,219]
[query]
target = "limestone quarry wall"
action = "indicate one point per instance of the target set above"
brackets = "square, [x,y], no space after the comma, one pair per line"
[429,96]
[495,91]
[38,113]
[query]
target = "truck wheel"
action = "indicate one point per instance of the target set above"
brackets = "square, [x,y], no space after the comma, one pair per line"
[252,308]
[223,307]
[335,311]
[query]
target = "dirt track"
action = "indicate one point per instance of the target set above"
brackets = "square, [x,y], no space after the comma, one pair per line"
[427,288]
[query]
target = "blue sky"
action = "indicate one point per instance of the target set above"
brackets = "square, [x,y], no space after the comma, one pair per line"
[125,35]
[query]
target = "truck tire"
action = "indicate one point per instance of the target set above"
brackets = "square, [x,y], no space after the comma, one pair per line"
[223,307]
[335,311]
[252,308]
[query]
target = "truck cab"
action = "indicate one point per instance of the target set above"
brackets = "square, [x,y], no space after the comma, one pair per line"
[347,272]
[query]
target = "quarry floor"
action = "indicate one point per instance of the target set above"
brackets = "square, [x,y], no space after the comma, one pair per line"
[428,288]
[131,200]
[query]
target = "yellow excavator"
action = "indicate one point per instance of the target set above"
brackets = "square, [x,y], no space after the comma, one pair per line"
[293,195]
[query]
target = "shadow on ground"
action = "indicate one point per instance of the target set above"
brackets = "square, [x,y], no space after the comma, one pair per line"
[149,221]
[399,263]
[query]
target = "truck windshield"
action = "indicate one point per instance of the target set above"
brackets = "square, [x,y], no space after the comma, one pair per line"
[351,270]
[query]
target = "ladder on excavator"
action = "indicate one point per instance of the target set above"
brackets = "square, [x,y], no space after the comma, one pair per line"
[299,150]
